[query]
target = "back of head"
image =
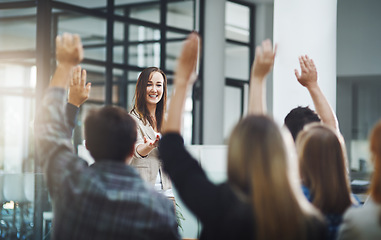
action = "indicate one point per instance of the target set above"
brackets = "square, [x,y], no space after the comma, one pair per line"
[110,133]
[258,165]
[323,168]
[375,149]
[298,117]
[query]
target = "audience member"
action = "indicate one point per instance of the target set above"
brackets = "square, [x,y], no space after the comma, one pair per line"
[322,166]
[148,112]
[79,92]
[108,200]
[322,154]
[300,116]
[365,223]
[259,199]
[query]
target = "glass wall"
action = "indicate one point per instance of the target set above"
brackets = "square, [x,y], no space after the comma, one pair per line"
[239,52]
[17,87]
[358,110]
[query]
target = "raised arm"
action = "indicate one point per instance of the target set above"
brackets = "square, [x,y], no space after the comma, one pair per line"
[79,92]
[308,78]
[53,137]
[193,186]
[262,65]
[185,76]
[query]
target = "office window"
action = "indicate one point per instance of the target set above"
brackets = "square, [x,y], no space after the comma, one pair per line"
[239,54]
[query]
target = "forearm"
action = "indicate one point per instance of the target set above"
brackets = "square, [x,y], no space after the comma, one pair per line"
[52,133]
[62,76]
[323,108]
[71,116]
[257,100]
[176,109]
[143,149]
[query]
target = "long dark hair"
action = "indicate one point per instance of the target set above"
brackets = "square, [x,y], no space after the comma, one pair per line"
[140,106]
[322,166]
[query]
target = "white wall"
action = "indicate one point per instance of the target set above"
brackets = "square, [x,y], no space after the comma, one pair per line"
[300,29]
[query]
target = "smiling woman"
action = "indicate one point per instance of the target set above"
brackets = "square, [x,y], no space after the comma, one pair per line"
[148,112]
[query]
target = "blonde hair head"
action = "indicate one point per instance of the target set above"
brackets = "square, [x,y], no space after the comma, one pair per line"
[258,166]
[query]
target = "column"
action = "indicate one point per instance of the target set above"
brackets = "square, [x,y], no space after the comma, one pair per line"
[303,27]
[214,73]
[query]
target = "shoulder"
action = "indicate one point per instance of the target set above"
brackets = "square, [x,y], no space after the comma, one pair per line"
[137,118]
[361,222]
[134,115]
[369,210]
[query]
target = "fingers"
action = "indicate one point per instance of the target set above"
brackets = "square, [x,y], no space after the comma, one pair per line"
[302,63]
[83,77]
[307,61]
[189,53]
[78,45]
[297,74]
[88,88]
[193,44]
[258,51]
[76,40]
[69,50]
[58,41]
[156,139]
[312,63]
[76,75]
[67,40]
[79,77]
[306,64]
[266,45]
[265,51]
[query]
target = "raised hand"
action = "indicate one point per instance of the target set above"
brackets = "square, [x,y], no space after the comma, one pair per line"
[79,91]
[186,63]
[264,60]
[308,76]
[69,53]
[308,79]
[69,50]
[184,76]
[262,65]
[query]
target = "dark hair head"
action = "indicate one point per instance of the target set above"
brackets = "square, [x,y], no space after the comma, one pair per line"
[298,118]
[110,133]
[140,106]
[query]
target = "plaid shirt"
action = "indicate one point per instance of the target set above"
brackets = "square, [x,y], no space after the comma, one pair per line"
[107,200]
